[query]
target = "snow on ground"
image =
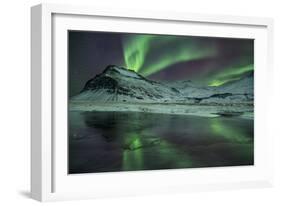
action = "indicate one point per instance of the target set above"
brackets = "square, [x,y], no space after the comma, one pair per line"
[180,109]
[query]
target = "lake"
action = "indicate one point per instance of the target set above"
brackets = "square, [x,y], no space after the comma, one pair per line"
[130,141]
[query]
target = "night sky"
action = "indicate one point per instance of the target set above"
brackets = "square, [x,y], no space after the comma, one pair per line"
[207,61]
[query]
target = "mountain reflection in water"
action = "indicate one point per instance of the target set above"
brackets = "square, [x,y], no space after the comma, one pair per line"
[128,141]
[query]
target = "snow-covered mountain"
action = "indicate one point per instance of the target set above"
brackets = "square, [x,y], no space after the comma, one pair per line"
[117,84]
[242,86]
[122,85]
[188,89]
[238,91]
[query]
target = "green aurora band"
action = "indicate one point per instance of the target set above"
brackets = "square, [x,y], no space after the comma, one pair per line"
[230,74]
[149,54]
[138,49]
[135,49]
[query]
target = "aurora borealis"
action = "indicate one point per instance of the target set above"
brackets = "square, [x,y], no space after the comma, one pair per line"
[140,50]
[205,60]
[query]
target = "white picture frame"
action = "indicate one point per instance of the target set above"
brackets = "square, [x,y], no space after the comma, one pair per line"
[49,178]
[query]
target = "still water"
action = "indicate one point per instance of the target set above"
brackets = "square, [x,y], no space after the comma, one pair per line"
[127,141]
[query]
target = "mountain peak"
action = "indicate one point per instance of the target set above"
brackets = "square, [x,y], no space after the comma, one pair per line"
[111,78]
[113,67]
[112,70]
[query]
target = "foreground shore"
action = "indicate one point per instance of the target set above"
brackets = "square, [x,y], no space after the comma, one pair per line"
[242,110]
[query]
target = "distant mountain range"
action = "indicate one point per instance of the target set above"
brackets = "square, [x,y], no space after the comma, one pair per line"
[118,84]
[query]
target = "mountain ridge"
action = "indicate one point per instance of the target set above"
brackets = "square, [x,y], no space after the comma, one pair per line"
[118,84]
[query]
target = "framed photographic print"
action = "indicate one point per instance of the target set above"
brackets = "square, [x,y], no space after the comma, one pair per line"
[134,102]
